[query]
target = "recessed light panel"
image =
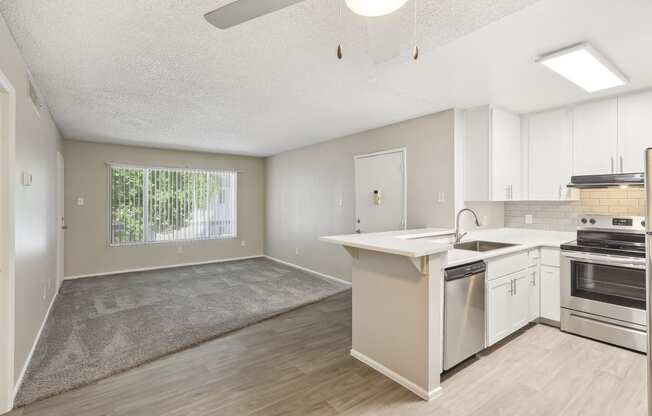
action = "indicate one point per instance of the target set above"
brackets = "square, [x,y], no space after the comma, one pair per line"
[585,67]
[375,7]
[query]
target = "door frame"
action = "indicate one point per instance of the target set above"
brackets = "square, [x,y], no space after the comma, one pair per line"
[60,219]
[7,240]
[402,150]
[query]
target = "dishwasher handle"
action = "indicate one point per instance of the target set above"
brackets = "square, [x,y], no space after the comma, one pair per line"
[466,270]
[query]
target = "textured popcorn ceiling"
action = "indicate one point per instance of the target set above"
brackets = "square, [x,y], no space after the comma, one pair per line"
[154,72]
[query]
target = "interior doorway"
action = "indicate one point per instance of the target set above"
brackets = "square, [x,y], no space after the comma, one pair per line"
[381,191]
[7,283]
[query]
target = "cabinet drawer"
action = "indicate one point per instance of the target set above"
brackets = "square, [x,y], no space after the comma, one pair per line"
[550,256]
[505,265]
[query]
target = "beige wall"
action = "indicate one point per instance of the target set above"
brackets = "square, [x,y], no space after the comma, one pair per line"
[37,143]
[304,187]
[86,176]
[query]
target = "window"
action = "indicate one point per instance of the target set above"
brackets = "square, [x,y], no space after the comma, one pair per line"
[151,205]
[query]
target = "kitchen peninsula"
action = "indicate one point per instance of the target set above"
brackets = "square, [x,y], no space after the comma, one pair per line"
[398,294]
[397,304]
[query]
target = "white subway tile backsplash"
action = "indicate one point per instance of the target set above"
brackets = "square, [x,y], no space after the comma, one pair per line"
[563,215]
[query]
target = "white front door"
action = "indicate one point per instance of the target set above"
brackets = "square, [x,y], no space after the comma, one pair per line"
[380,191]
[61,219]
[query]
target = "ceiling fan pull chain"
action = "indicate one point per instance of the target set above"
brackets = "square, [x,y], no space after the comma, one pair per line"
[339,45]
[415,51]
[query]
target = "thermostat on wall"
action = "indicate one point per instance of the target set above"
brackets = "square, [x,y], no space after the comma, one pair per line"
[27,179]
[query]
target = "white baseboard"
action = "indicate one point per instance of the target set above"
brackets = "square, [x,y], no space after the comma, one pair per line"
[170,266]
[413,387]
[305,269]
[31,352]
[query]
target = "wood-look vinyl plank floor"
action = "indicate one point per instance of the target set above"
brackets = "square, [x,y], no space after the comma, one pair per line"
[299,364]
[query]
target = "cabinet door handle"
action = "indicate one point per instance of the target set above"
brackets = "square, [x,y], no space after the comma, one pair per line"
[559,191]
[612,164]
[621,164]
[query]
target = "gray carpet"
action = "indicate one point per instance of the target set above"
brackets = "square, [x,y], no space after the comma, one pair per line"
[104,325]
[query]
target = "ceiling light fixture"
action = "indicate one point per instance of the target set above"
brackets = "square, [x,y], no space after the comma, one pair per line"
[584,66]
[372,8]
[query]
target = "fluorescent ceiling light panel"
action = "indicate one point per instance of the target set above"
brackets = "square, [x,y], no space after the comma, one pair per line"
[375,7]
[585,67]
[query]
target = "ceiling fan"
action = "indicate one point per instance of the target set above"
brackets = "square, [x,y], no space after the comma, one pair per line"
[240,11]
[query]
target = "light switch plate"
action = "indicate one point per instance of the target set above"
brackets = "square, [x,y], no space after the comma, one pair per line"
[528,219]
[80,202]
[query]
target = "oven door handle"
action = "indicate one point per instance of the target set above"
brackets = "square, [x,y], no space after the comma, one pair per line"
[629,262]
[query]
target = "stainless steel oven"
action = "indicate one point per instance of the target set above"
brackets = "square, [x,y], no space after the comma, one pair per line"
[603,282]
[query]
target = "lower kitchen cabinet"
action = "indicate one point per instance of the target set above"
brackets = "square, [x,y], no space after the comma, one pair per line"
[534,291]
[550,293]
[507,305]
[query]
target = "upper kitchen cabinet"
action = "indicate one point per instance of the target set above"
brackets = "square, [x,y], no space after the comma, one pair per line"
[549,156]
[492,154]
[595,138]
[634,131]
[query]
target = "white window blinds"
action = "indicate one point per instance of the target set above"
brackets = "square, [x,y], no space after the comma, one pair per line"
[150,205]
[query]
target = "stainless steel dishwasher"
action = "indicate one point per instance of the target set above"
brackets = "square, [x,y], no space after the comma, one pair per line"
[464,312]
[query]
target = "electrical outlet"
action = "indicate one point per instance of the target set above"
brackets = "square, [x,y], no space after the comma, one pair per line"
[296,251]
[340,203]
[180,249]
[485,220]
[243,243]
[528,218]
[441,197]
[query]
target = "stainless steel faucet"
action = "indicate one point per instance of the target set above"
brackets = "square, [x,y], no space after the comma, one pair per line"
[459,236]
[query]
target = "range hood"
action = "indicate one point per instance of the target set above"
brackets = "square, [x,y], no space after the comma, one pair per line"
[617,180]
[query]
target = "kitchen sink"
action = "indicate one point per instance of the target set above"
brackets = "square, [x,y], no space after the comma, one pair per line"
[481,245]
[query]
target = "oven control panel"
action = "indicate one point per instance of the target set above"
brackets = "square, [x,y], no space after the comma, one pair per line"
[633,223]
[623,222]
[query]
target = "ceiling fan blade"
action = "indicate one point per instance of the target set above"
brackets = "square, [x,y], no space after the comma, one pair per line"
[241,11]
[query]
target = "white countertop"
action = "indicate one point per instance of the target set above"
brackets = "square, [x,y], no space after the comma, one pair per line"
[524,238]
[410,243]
[427,241]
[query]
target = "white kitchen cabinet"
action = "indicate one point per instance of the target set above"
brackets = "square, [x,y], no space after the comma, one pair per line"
[534,292]
[520,300]
[507,305]
[499,324]
[492,155]
[595,138]
[634,131]
[550,293]
[549,156]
